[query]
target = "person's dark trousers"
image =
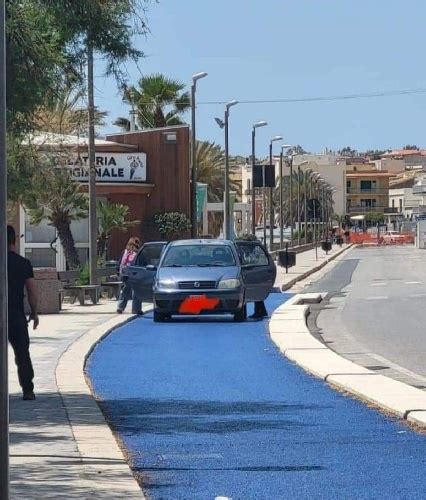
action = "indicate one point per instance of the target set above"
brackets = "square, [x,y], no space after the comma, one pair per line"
[260,310]
[125,296]
[20,342]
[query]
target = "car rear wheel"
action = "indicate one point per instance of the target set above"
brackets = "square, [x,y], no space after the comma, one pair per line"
[241,315]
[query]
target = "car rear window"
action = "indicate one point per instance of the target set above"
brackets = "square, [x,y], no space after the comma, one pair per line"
[199,255]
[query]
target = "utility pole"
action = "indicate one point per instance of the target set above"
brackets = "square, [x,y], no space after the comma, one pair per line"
[194,219]
[299,224]
[4,388]
[291,200]
[253,193]
[93,224]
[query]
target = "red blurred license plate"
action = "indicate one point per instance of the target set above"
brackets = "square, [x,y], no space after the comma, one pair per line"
[194,304]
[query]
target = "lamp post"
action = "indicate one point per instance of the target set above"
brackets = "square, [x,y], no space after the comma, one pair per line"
[4,388]
[225,124]
[253,163]
[291,200]
[313,194]
[194,222]
[306,176]
[299,222]
[271,197]
[284,146]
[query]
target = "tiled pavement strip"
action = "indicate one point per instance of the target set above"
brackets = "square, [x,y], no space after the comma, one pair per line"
[49,457]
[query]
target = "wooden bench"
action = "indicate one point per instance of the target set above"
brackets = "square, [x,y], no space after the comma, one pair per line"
[112,284]
[74,291]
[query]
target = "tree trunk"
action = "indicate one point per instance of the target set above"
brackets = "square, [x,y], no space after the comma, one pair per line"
[67,241]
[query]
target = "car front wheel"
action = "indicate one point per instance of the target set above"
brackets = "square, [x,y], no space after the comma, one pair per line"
[241,315]
[159,317]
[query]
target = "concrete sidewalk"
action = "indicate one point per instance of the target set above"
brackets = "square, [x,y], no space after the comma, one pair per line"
[306,264]
[45,460]
[60,443]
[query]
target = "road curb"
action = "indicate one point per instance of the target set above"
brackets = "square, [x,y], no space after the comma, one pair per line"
[106,472]
[315,269]
[289,331]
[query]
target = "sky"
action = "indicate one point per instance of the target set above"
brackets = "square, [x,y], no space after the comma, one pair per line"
[290,49]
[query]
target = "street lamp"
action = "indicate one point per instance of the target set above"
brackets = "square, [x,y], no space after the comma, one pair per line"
[299,222]
[253,162]
[307,175]
[284,146]
[4,388]
[194,221]
[226,211]
[271,200]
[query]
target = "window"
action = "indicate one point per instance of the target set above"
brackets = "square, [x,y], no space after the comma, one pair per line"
[393,203]
[41,257]
[368,186]
[400,204]
[253,255]
[149,255]
[199,255]
[40,233]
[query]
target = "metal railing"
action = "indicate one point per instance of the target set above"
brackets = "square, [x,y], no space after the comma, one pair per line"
[377,191]
[365,209]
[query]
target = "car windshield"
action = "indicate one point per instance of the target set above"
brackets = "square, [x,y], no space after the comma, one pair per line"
[199,255]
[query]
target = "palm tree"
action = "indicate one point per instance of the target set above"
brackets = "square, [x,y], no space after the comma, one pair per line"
[55,196]
[111,216]
[64,114]
[210,161]
[159,102]
[303,181]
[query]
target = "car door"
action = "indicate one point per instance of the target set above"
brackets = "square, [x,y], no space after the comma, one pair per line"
[257,269]
[142,272]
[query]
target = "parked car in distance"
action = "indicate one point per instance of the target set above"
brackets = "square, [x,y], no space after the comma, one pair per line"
[220,276]
[390,237]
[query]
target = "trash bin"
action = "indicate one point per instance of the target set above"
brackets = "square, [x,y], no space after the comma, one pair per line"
[286,258]
[326,245]
[111,264]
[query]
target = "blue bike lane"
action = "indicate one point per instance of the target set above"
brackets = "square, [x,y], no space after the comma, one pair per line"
[209,408]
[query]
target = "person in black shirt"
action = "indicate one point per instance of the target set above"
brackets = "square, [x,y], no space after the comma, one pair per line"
[20,276]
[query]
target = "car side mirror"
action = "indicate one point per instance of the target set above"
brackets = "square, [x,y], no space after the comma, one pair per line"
[151,267]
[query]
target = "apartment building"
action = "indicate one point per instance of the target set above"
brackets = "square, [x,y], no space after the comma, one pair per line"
[367,191]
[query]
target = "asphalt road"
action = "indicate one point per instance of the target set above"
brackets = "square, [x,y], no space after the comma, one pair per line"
[378,310]
[210,408]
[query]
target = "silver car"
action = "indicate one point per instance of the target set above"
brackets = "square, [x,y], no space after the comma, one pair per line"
[202,276]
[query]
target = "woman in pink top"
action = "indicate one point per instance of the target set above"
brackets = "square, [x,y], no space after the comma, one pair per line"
[127,258]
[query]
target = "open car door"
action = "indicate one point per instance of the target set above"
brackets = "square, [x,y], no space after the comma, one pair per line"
[142,272]
[258,270]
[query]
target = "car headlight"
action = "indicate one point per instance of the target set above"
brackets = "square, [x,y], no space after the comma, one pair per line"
[231,283]
[166,284]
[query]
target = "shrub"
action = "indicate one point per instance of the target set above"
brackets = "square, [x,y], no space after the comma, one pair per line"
[172,225]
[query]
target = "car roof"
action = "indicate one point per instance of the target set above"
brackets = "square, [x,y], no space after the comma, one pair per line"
[201,242]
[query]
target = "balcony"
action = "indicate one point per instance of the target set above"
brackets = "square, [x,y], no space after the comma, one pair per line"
[361,209]
[375,191]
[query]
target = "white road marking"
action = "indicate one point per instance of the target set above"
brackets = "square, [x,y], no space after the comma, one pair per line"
[379,297]
[378,284]
[413,283]
[397,367]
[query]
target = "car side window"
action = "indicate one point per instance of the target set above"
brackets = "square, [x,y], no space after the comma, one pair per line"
[253,255]
[149,256]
